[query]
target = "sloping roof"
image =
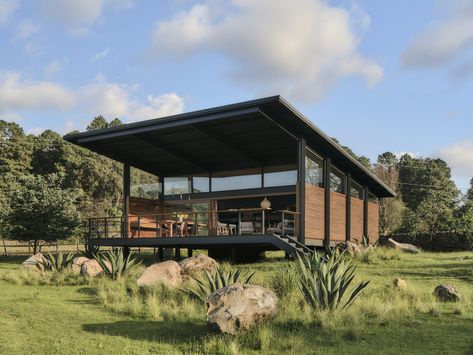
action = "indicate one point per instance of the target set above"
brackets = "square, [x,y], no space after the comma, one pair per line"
[244,135]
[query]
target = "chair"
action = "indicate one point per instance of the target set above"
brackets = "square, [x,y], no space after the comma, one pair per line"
[247,228]
[183,229]
[222,229]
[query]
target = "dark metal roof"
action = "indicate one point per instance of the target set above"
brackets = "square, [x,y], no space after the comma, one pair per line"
[245,135]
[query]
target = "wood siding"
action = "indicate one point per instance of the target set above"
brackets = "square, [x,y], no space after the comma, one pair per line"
[337,216]
[373,215]
[314,213]
[356,219]
[142,206]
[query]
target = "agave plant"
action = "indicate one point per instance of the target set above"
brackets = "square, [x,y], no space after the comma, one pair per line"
[324,281]
[57,262]
[90,250]
[219,279]
[114,263]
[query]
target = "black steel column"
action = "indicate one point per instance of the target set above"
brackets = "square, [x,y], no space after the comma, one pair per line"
[301,190]
[348,207]
[365,214]
[126,198]
[327,169]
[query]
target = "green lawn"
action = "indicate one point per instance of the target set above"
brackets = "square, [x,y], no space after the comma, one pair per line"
[94,318]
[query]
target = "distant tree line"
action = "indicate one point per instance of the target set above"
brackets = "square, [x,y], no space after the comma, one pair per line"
[48,185]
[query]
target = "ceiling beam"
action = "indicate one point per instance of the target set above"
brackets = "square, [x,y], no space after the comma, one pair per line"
[236,148]
[175,153]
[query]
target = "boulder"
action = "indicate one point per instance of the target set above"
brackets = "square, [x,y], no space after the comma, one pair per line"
[353,248]
[91,268]
[447,293]
[399,283]
[77,264]
[197,263]
[167,273]
[408,248]
[240,307]
[35,262]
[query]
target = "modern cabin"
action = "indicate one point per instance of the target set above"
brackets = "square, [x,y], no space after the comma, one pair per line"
[241,178]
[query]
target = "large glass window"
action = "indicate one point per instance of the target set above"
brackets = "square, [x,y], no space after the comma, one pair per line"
[143,184]
[356,190]
[200,184]
[337,181]
[313,170]
[280,176]
[177,185]
[236,180]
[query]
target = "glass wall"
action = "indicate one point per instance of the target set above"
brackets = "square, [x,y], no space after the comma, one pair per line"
[314,172]
[372,198]
[356,190]
[177,185]
[337,180]
[224,181]
[200,184]
[280,176]
[143,184]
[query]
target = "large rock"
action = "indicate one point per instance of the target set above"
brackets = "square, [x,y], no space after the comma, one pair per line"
[35,262]
[447,293]
[77,263]
[91,268]
[240,307]
[408,248]
[167,273]
[353,248]
[197,263]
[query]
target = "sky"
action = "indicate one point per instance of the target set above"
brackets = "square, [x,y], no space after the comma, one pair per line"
[377,75]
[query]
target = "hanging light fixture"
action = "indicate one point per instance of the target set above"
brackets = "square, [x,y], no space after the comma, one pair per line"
[265,204]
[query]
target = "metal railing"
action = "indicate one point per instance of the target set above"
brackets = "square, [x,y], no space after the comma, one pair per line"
[249,221]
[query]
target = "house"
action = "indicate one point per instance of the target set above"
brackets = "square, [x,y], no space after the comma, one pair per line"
[235,179]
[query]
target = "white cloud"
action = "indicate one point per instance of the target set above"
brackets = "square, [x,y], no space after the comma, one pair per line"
[114,100]
[77,15]
[26,29]
[411,154]
[273,46]
[52,68]
[7,8]
[460,157]
[100,55]
[443,41]
[17,94]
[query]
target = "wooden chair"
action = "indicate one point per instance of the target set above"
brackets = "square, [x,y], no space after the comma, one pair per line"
[222,229]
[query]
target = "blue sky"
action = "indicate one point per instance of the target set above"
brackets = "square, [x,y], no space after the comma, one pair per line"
[377,75]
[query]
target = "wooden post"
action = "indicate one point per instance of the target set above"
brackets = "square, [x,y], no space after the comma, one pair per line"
[365,214]
[126,198]
[348,207]
[161,253]
[189,252]
[300,227]
[327,169]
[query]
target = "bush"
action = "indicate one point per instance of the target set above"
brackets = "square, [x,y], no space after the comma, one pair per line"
[441,241]
[114,264]
[284,280]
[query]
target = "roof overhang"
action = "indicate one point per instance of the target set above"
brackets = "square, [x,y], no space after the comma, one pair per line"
[246,135]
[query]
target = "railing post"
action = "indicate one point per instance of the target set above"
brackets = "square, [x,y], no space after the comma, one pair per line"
[263,221]
[105,221]
[139,227]
[283,223]
[239,222]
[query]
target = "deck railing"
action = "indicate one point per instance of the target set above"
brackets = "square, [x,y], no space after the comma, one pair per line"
[194,224]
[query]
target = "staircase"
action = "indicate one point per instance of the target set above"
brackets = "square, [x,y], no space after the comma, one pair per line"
[291,246]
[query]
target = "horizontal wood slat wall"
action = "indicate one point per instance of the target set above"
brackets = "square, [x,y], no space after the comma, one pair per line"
[337,216]
[373,215]
[314,213]
[356,219]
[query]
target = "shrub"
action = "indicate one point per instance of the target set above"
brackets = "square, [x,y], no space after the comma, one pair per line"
[114,264]
[57,262]
[219,279]
[324,281]
[284,280]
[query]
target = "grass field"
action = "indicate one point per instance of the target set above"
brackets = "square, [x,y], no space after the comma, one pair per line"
[76,316]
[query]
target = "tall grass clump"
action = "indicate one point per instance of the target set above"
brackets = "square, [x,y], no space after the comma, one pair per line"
[114,263]
[285,279]
[217,280]
[324,281]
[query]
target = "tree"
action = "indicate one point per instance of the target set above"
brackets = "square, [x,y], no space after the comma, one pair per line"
[98,122]
[469,193]
[41,210]
[15,149]
[115,122]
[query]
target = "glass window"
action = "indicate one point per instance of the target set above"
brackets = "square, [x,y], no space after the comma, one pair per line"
[314,170]
[200,184]
[143,184]
[280,176]
[372,198]
[236,180]
[337,181]
[356,190]
[176,185]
